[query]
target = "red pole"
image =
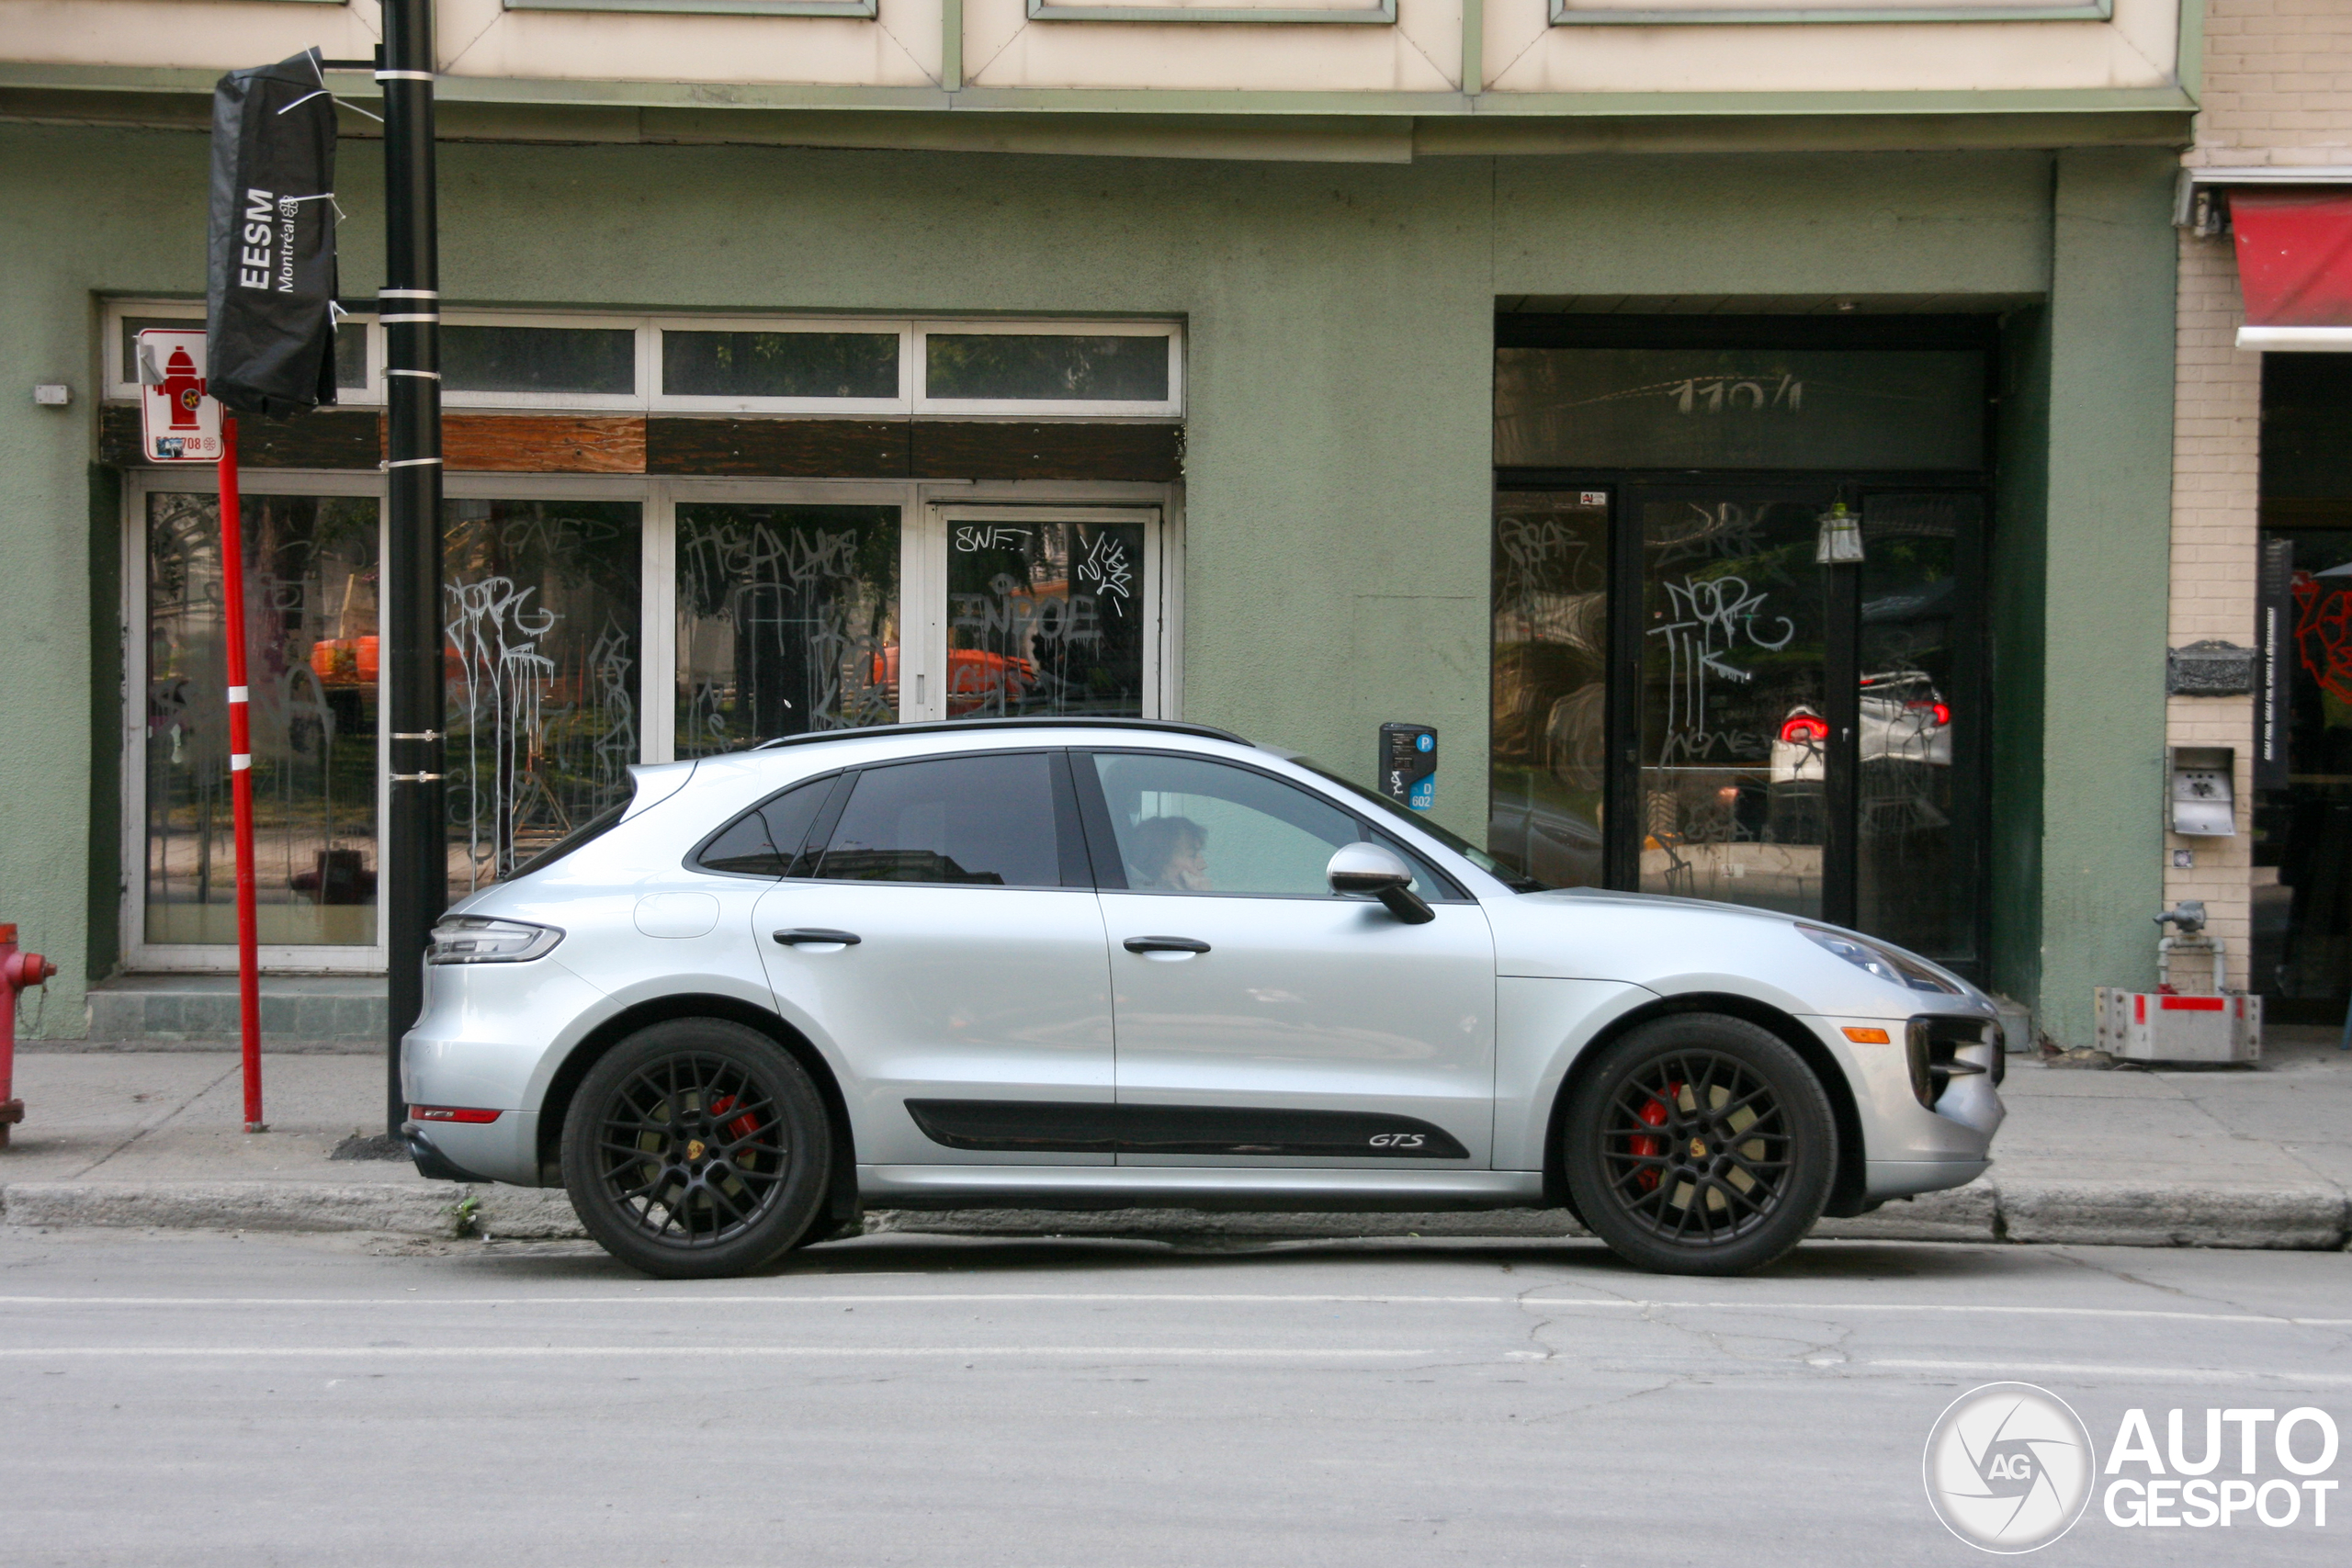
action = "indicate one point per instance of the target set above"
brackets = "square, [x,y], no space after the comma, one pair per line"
[241,771]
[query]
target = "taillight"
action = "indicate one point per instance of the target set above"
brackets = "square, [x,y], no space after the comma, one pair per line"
[450,1113]
[1805,728]
[1942,712]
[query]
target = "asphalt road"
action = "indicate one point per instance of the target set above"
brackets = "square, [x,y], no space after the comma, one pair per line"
[206,1398]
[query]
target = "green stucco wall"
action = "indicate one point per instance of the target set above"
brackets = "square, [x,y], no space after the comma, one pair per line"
[1340,322]
[2107,580]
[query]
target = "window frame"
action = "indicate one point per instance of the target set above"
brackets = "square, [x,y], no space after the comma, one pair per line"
[650,397]
[925,510]
[1170,407]
[139,954]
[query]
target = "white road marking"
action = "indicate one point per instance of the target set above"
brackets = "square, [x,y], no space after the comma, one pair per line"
[715,1352]
[2135,1374]
[1150,1298]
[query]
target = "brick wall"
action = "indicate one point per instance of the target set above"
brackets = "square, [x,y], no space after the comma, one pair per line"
[2278,83]
[2217,415]
[2277,92]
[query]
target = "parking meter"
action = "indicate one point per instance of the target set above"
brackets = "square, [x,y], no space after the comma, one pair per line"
[1409,764]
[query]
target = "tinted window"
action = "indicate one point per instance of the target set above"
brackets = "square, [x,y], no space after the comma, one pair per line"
[982,820]
[765,840]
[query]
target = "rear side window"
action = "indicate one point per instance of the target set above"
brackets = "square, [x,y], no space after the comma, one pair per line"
[987,821]
[767,839]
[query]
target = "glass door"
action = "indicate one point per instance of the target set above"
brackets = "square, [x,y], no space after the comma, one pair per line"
[1735,721]
[1690,699]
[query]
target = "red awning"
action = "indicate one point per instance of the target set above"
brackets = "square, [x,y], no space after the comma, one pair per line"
[2295,265]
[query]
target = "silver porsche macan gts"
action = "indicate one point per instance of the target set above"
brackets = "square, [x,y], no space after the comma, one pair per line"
[1079,964]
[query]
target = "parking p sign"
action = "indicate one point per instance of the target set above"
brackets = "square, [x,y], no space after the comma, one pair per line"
[178,423]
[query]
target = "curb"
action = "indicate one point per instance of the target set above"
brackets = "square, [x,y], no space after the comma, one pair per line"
[2311,1218]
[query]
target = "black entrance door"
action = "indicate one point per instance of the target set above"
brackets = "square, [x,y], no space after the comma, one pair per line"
[1690,699]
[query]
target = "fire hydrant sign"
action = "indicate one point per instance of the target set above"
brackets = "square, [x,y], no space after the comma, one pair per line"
[178,423]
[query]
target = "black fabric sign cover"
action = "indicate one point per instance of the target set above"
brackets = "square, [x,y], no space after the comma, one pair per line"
[270,278]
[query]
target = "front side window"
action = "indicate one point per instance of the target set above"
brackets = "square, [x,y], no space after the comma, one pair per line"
[1188,825]
[982,821]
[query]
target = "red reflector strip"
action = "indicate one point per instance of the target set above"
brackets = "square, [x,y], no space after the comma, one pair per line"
[2189,1004]
[2140,1007]
[450,1113]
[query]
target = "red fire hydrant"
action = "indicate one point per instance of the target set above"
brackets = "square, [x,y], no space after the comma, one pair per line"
[18,972]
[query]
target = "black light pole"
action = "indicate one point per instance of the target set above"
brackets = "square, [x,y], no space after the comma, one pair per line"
[417,873]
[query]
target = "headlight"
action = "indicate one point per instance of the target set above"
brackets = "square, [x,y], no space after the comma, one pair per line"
[471,939]
[1890,964]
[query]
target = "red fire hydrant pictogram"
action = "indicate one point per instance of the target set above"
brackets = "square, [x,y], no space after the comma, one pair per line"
[18,972]
[184,388]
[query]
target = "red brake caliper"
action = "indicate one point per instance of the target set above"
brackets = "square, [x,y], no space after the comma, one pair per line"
[1647,1148]
[743,1125]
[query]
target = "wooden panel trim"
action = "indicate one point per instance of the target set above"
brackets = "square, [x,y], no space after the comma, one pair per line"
[1006,449]
[543,443]
[719,447]
[323,438]
[779,449]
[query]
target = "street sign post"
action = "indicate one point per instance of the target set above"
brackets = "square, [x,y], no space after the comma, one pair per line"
[181,423]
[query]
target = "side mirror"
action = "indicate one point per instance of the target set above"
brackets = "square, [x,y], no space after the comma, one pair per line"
[1361,869]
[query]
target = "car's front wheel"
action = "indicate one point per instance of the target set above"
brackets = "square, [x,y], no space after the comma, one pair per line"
[1700,1145]
[697,1148]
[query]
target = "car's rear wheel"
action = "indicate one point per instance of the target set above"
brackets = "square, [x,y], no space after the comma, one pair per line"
[1700,1145]
[697,1148]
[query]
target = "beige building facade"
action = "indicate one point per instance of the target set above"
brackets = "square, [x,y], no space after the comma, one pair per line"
[2276,114]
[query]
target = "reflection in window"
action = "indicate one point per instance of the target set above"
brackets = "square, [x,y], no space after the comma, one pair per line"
[1549,739]
[1000,366]
[541,601]
[787,622]
[780,364]
[311,614]
[1187,826]
[1044,618]
[981,821]
[599,360]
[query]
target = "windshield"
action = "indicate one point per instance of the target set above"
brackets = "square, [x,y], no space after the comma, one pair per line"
[1518,881]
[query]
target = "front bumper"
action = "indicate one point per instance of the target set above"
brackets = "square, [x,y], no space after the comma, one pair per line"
[1909,1147]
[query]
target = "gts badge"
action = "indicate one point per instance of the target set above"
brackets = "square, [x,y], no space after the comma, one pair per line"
[1398,1140]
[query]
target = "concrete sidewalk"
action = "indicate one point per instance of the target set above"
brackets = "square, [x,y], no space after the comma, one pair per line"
[2249,1159]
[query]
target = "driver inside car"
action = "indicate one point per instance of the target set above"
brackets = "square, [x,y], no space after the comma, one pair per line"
[1169,854]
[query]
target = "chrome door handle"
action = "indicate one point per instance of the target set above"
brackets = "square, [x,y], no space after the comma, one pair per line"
[1164,945]
[814,935]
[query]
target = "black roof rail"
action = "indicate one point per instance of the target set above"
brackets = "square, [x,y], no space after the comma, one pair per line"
[950,726]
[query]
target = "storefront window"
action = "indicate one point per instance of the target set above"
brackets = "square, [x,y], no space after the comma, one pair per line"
[542,662]
[1550,742]
[310,596]
[787,622]
[1045,618]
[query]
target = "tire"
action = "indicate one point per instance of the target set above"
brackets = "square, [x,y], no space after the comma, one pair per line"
[1700,1145]
[671,1172]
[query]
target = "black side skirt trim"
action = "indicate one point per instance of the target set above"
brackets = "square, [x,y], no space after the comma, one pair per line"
[1023,1126]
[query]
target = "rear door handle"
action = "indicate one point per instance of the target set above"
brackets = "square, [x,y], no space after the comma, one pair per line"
[811,936]
[1165,944]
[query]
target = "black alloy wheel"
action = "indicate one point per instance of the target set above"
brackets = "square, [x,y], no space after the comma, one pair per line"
[1700,1145]
[697,1148]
